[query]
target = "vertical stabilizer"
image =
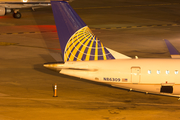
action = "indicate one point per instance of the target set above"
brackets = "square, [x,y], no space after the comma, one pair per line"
[77,41]
[67,21]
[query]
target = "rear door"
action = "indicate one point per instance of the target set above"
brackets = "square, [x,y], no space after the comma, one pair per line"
[135,74]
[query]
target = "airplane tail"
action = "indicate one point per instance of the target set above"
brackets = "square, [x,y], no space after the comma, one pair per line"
[77,41]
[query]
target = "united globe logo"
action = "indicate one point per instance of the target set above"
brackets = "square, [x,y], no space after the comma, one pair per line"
[84,46]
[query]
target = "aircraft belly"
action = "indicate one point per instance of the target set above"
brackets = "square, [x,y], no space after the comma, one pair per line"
[176,89]
[151,88]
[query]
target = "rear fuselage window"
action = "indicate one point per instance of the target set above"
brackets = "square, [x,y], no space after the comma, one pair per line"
[176,71]
[149,71]
[158,71]
[167,71]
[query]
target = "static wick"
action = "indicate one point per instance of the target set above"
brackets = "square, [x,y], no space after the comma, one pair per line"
[55,90]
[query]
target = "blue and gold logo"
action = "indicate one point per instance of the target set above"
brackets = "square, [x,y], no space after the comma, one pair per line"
[84,46]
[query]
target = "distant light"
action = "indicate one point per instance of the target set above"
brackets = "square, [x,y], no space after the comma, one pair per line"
[167,71]
[25,0]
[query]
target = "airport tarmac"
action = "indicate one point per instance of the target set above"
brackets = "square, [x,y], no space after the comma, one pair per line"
[134,28]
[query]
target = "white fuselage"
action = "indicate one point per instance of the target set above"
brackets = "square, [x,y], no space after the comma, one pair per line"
[18,6]
[159,76]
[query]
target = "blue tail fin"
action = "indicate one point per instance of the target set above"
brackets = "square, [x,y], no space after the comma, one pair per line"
[77,41]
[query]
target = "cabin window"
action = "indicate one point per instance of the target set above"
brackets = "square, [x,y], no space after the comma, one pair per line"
[176,71]
[149,71]
[167,71]
[158,71]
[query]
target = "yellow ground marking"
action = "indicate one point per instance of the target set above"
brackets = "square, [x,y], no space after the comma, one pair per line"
[123,27]
[133,26]
[18,33]
[108,7]
[144,26]
[15,33]
[6,43]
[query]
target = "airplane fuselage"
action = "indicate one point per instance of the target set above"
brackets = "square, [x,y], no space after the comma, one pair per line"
[147,75]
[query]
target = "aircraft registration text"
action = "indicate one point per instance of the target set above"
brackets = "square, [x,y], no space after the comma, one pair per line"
[112,79]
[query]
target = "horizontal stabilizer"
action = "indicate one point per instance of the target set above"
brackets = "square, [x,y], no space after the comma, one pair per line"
[172,50]
[58,66]
[56,56]
[118,55]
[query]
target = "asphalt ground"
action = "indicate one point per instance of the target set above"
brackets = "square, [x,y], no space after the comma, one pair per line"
[26,90]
